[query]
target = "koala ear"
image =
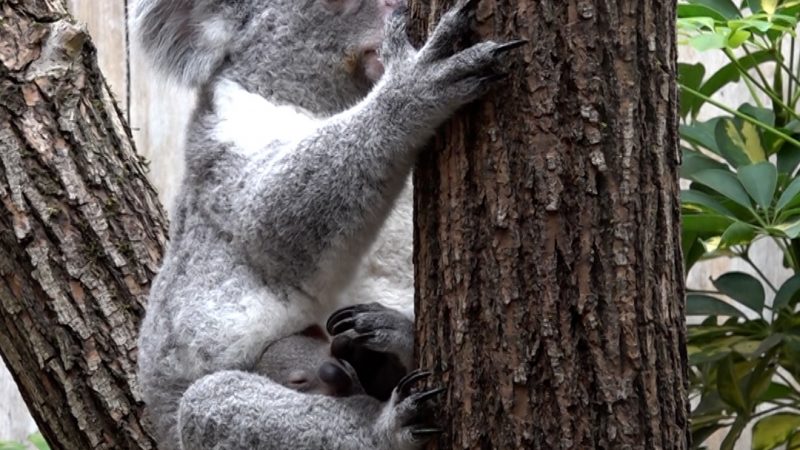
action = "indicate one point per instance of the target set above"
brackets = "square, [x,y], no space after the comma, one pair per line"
[186,39]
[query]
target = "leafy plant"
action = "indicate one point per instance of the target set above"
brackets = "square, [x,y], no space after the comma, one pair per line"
[742,168]
[35,440]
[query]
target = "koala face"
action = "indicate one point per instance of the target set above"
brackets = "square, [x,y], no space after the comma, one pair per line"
[303,362]
[331,67]
[321,55]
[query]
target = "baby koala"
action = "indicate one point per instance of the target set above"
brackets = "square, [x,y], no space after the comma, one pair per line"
[303,362]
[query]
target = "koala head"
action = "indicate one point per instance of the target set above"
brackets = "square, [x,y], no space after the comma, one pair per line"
[321,55]
[303,362]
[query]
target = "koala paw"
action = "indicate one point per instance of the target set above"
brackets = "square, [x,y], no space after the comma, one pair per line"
[375,327]
[438,74]
[377,341]
[409,415]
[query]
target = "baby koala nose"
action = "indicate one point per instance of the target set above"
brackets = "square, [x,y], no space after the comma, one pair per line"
[336,378]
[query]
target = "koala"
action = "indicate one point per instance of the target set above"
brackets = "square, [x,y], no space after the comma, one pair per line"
[309,117]
[303,362]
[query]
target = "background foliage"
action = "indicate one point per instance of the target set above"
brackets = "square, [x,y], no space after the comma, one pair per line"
[741,168]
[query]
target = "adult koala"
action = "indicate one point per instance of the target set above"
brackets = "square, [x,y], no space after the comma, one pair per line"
[309,118]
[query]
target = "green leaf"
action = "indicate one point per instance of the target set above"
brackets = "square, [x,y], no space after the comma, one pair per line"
[702,134]
[769,6]
[700,434]
[789,214]
[788,293]
[708,41]
[724,7]
[690,75]
[776,391]
[705,305]
[743,288]
[694,161]
[771,341]
[728,386]
[706,223]
[774,430]
[725,183]
[788,158]
[790,193]
[740,145]
[704,201]
[693,250]
[738,38]
[763,115]
[690,11]
[794,442]
[789,229]
[738,233]
[759,180]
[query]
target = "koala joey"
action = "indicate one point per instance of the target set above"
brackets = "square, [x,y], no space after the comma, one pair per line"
[376,339]
[303,362]
[310,114]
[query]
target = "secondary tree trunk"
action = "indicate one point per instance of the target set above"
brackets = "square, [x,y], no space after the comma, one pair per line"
[548,265]
[81,234]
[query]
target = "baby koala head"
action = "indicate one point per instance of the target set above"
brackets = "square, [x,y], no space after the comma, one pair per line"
[303,362]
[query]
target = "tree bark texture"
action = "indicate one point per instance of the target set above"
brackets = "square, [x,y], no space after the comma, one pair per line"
[81,234]
[548,266]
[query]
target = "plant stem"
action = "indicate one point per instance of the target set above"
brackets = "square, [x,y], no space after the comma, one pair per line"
[768,411]
[786,249]
[747,259]
[790,71]
[742,116]
[765,88]
[782,62]
[701,291]
[733,434]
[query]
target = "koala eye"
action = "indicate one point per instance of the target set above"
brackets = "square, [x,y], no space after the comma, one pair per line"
[298,380]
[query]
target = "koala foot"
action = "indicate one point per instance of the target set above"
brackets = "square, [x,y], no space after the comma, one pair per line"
[409,415]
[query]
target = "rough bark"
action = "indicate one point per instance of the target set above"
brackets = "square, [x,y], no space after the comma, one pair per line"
[81,234]
[548,266]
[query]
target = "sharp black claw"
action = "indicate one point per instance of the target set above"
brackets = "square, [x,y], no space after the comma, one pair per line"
[343,325]
[494,77]
[426,432]
[410,378]
[337,316]
[509,46]
[361,338]
[421,397]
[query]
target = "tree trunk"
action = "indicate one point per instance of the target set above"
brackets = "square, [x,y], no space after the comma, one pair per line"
[548,266]
[81,234]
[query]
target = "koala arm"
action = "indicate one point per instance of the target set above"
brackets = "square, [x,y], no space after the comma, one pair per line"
[233,410]
[314,207]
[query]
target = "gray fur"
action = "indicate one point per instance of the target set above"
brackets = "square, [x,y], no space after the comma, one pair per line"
[263,243]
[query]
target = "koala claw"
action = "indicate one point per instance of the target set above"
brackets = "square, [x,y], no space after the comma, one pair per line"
[365,337]
[422,397]
[405,383]
[342,326]
[509,46]
[420,433]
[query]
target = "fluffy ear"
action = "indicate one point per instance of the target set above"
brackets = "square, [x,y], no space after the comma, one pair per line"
[186,39]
